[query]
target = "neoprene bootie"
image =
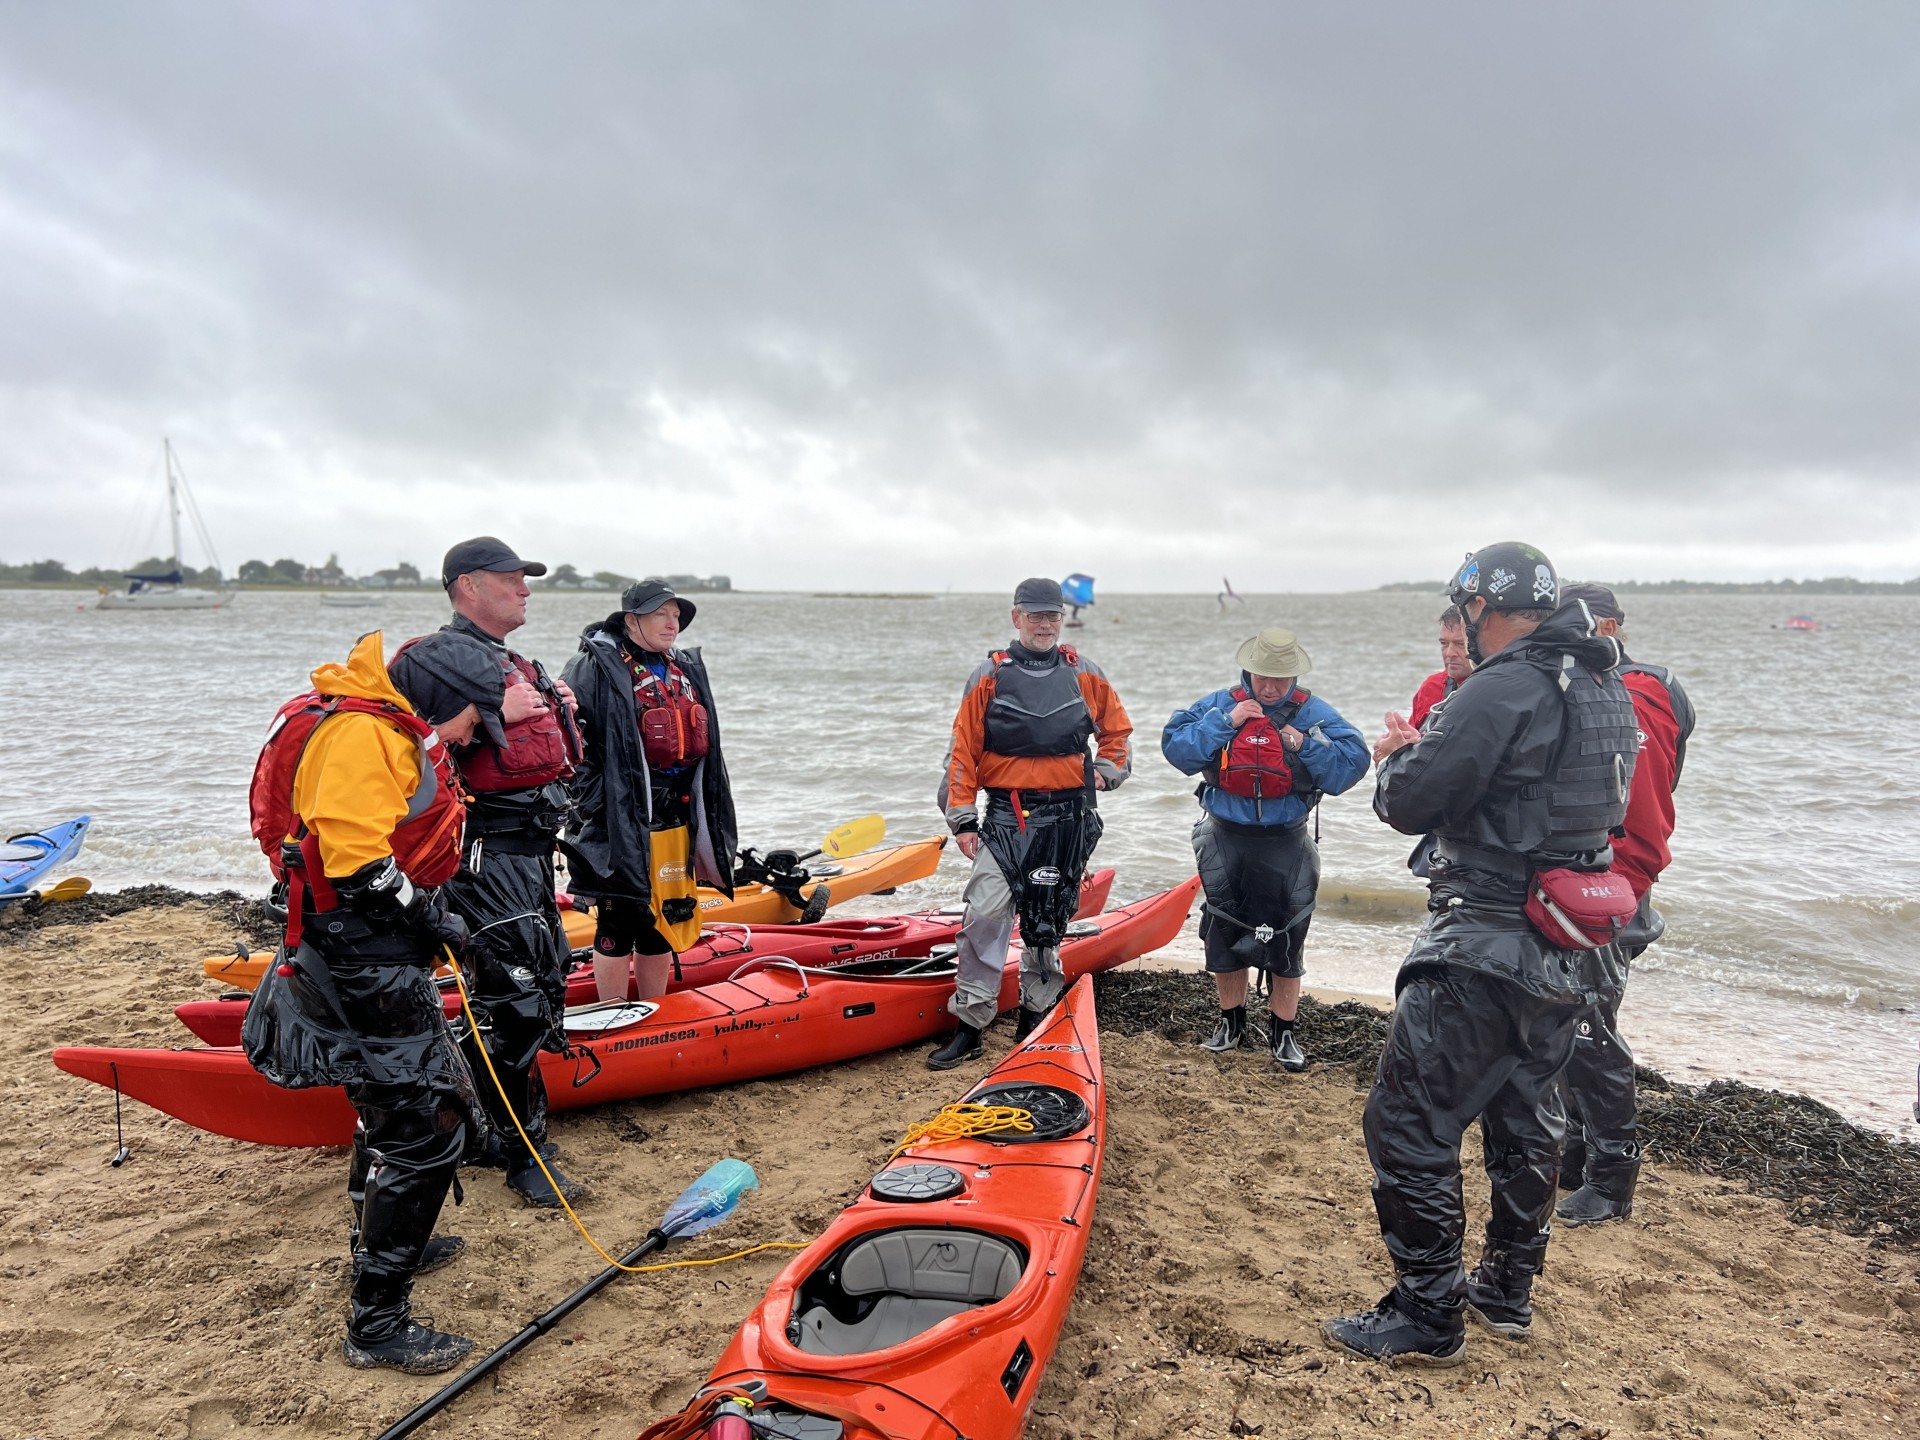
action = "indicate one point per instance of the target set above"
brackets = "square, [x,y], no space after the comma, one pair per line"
[1607,1195]
[1286,1049]
[1401,1331]
[1500,1290]
[383,1333]
[530,1183]
[1028,1022]
[1573,1160]
[1228,1034]
[963,1045]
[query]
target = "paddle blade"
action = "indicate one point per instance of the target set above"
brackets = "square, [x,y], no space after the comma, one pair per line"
[68,889]
[855,836]
[710,1199]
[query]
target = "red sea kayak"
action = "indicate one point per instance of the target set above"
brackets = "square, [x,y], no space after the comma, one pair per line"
[781,1018]
[723,951]
[930,1308]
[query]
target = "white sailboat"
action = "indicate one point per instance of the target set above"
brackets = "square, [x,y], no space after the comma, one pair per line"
[169,590]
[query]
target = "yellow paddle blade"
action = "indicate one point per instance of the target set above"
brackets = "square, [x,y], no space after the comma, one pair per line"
[68,889]
[855,836]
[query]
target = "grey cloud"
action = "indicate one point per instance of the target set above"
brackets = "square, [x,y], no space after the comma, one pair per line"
[1147,261]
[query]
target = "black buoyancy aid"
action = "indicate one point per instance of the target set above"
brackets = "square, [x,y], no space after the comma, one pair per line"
[674,725]
[1037,712]
[425,844]
[1586,791]
[1257,764]
[1683,713]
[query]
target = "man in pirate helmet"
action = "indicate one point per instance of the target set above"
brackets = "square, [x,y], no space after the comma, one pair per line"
[1521,777]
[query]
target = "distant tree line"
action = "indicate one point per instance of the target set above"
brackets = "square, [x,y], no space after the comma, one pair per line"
[288,571]
[1832,585]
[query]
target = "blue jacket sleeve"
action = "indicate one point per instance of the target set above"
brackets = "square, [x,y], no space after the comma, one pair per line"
[1195,736]
[1334,753]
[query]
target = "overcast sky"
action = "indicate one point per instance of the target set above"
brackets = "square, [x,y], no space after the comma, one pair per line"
[896,295]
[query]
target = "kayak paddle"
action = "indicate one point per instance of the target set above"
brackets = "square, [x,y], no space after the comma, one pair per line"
[854,837]
[71,889]
[702,1205]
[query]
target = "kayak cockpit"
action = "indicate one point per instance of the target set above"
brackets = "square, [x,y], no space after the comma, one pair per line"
[888,1286]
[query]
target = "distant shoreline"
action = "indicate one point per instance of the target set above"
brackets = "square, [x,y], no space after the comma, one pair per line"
[1837,585]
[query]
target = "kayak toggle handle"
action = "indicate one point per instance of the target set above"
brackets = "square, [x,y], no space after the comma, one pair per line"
[122,1151]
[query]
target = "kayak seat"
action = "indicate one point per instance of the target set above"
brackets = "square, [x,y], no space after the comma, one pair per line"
[886,1288]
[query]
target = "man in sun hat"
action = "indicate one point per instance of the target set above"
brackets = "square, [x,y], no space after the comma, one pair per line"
[1026,718]
[1486,1003]
[1266,750]
[1602,1161]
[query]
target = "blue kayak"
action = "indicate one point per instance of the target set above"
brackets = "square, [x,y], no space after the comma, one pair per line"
[27,858]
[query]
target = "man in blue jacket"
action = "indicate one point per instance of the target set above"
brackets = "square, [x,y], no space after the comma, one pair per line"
[1266,750]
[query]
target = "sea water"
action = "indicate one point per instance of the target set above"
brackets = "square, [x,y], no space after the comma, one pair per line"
[1790,958]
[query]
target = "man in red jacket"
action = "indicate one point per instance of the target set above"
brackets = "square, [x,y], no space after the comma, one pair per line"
[1455,666]
[1602,1160]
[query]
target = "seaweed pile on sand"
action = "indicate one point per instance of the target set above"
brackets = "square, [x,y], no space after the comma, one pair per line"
[1827,1170]
[245,913]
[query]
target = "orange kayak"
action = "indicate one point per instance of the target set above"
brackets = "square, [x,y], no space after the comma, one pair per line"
[930,1308]
[778,1019]
[723,951]
[750,905]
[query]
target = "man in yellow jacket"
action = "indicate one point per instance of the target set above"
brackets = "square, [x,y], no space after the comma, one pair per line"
[369,814]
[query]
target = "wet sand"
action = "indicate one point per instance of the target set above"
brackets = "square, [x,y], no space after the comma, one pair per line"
[200,1290]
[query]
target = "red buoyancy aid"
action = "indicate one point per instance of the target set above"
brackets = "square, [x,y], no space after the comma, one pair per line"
[674,724]
[541,748]
[426,842]
[1257,763]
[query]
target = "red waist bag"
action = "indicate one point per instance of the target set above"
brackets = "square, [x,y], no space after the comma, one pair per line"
[1580,909]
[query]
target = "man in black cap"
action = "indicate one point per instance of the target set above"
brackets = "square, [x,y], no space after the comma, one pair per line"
[653,817]
[1025,721]
[1602,1162]
[1521,777]
[516,771]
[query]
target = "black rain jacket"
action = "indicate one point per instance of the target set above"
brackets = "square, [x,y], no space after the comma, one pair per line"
[1473,779]
[605,840]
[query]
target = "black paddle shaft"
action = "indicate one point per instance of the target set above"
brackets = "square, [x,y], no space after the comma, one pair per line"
[536,1327]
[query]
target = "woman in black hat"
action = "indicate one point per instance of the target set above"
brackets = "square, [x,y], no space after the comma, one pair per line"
[652,807]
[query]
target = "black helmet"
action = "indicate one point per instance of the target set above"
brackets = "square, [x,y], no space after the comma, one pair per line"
[1508,576]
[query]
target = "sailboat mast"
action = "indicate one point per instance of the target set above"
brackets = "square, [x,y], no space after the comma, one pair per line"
[173,503]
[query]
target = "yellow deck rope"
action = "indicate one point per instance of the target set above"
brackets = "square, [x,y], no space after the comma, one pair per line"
[466,1004]
[962,1121]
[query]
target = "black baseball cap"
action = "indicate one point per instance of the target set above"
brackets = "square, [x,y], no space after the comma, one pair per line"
[643,597]
[1039,595]
[443,673]
[483,552]
[1601,603]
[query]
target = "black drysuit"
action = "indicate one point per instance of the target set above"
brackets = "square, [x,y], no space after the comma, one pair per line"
[361,1010]
[1518,772]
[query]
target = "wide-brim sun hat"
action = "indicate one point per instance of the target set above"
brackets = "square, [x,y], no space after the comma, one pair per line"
[1275,653]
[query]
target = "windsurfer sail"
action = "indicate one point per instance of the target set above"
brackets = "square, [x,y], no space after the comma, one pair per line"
[1077,591]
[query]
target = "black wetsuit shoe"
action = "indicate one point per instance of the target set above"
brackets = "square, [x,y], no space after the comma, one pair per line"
[532,1186]
[963,1045]
[1390,1332]
[418,1349]
[441,1250]
[1498,1307]
[1588,1206]
[1028,1022]
[1229,1033]
[1287,1050]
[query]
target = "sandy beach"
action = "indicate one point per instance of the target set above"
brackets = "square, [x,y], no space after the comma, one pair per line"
[200,1289]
